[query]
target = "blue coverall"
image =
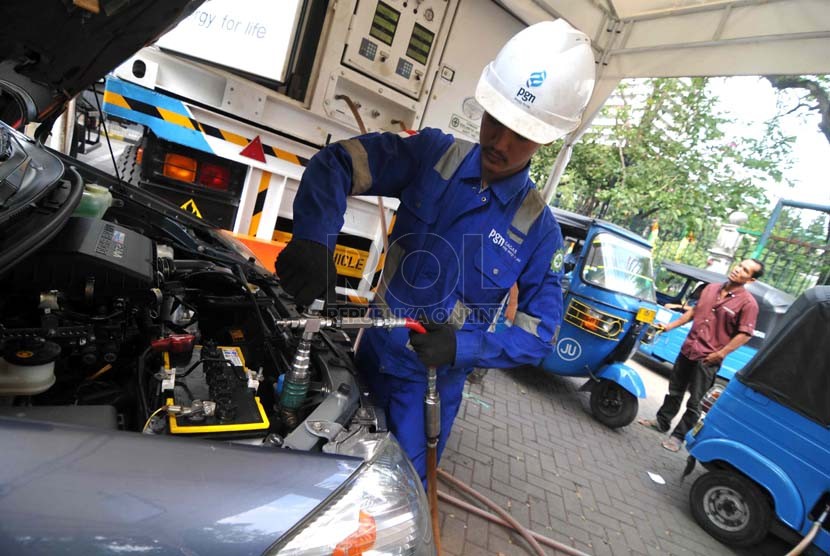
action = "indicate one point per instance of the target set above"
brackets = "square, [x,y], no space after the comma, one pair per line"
[455,251]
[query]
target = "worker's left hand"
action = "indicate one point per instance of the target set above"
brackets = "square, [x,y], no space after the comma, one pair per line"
[437,346]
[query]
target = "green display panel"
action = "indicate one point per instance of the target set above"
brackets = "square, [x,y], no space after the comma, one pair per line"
[385,23]
[420,43]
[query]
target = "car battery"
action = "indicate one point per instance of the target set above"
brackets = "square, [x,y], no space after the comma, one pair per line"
[214,374]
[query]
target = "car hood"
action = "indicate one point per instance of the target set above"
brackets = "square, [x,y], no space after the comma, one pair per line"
[75,490]
[52,50]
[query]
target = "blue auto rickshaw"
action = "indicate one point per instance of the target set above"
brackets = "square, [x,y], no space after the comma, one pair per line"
[678,285]
[765,442]
[608,298]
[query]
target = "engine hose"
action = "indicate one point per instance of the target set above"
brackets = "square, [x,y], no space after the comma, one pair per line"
[432,494]
[193,264]
[808,538]
[142,395]
[496,519]
[503,514]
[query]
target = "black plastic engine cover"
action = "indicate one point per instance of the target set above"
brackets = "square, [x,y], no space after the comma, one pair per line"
[110,259]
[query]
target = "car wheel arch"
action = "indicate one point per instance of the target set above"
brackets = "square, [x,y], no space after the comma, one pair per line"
[731,507]
[782,492]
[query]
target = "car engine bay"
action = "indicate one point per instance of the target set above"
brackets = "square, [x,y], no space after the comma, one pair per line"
[151,321]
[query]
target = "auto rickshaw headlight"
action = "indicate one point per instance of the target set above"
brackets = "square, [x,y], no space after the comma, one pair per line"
[594,321]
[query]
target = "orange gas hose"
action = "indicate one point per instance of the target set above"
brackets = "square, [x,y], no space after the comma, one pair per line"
[502,514]
[811,534]
[432,495]
[381,208]
[496,519]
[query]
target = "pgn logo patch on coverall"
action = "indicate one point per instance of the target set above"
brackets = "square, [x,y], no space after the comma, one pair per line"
[503,242]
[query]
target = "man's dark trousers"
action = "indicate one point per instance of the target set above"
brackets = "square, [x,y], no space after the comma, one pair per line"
[697,377]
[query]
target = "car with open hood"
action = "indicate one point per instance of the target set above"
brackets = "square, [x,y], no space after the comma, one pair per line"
[159,391]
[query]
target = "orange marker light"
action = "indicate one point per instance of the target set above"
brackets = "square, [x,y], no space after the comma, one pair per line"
[361,540]
[590,323]
[179,167]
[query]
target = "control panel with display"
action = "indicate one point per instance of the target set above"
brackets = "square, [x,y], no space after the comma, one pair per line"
[392,41]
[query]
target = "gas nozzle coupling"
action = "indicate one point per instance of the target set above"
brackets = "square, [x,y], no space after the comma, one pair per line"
[347,323]
[432,409]
[298,377]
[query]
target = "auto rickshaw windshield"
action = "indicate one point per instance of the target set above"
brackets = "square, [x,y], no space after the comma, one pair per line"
[617,264]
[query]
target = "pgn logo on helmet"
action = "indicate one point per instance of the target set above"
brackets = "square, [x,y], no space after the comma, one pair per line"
[536,78]
[526,95]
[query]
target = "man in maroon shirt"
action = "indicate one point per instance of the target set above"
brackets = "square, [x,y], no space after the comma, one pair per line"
[724,319]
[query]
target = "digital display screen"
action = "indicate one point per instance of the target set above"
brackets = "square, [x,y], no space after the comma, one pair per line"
[385,23]
[420,43]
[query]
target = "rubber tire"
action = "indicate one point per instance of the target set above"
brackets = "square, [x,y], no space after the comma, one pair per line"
[758,505]
[128,168]
[623,404]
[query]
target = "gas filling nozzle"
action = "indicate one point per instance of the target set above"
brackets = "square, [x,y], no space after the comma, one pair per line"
[298,377]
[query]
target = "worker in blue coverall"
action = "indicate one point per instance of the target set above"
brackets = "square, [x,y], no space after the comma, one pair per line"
[470,224]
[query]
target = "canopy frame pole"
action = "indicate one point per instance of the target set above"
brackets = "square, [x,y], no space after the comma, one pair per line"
[725,42]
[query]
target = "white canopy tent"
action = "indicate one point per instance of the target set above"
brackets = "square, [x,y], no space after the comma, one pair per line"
[682,38]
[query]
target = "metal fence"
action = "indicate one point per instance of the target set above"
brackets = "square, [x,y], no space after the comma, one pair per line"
[792,265]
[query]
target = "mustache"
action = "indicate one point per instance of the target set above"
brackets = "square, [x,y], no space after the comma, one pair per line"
[495,154]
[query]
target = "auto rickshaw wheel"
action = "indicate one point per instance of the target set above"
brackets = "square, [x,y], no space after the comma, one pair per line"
[731,508]
[612,405]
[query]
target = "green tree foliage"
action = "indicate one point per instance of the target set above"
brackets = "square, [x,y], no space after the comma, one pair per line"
[658,152]
[811,95]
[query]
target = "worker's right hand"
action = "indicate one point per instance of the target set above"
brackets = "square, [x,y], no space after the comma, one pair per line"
[436,347]
[306,270]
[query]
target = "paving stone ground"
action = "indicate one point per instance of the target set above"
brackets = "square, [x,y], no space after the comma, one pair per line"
[526,440]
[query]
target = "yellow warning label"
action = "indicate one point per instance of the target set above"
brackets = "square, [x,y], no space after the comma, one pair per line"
[190,206]
[348,260]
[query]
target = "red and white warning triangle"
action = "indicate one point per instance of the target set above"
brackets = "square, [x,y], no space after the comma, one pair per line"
[254,150]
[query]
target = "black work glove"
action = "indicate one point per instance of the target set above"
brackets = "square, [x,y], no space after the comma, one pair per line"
[306,271]
[437,346]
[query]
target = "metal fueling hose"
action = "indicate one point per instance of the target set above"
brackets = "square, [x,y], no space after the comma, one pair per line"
[432,425]
[432,428]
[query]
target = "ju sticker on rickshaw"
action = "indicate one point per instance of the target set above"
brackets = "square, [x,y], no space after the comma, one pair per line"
[644,314]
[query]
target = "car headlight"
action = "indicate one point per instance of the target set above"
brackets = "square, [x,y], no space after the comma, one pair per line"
[382,510]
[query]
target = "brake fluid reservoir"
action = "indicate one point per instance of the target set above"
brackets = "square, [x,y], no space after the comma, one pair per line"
[27,366]
[94,202]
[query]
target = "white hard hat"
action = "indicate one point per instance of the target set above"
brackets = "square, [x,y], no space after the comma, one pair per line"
[540,81]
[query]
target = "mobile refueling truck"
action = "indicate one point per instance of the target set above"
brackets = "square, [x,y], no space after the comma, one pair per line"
[234,101]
